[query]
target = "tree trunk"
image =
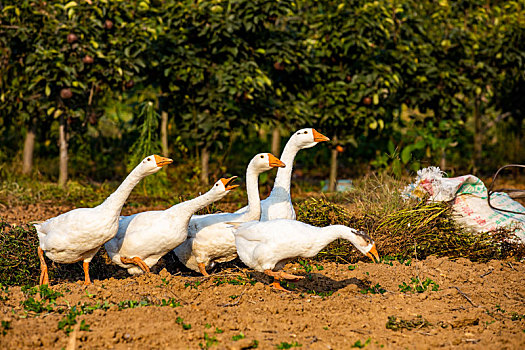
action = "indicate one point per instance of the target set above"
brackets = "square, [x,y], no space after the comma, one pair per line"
[62,176]
[443,161]
[478,137]
[276,141]
[164,132]
[333,168]
[29,147]
[205,160]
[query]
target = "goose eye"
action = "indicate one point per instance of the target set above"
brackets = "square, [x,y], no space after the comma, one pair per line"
[149,159]
[306,132]
[216,184]
[262,156]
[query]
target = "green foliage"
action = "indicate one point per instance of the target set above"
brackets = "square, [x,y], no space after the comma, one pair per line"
[418,286]
[209,341]
[131,304]
[358,344]
[6,325]
[285,345]
[238,280]
[399,84]
[180,321]
[19,264]
[396,324]
[172,302]
[45,303]
[238,336]
[377,289]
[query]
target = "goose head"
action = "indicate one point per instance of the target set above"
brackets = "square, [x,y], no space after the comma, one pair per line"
[153,163]
[265,161]
[223,186]
[365,245]
[308,137]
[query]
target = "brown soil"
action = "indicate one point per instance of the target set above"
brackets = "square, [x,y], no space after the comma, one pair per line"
[476,306]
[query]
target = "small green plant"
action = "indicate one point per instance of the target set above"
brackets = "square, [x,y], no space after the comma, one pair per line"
[68,322]
[218,330]
[321,294]
[352,267]
[285,345]
[319,267]
[207,326]
[209,341]
[131,304]
[358,344]
[499,309]
[6,325]
[180,321]
[418,286]
[517,317]
[306,266]
[172,302]
[388,260]
[238,337]
[84,326]
[377,289]
[47,299]
[236,281]
[396,324]
[193,285]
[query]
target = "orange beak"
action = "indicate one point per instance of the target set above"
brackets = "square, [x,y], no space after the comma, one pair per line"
[162,161]
[275,162]
[318,137]
[372,254]
[227,183]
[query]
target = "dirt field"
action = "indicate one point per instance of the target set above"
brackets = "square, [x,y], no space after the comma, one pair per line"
[337,306]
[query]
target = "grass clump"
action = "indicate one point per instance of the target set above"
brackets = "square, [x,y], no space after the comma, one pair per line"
[402,229]
[359,344]
[396,324]
[418,286]
[285,345]
[19,264]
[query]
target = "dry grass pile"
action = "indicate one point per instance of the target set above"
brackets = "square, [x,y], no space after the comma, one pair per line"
[402,229]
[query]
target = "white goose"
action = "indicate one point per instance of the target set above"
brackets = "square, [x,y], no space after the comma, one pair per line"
[79,234]
[143,238]
[278,205]
[210,239]
[267,246]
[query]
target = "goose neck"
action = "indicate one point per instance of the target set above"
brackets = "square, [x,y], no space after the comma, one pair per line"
[284,174]
[254,201]
[116,200]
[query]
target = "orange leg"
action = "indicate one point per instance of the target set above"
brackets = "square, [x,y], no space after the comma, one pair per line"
[85,266]
[202,269]
[136,261]
[287,276]
[278,276]
[44,278]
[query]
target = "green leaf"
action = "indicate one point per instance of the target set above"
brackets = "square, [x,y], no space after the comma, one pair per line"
[406,154]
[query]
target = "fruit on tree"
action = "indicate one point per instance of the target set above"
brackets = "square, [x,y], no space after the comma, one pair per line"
[66,93]
[87,59]
[71,38]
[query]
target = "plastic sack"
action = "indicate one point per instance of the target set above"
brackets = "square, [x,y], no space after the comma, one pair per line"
[469,201]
